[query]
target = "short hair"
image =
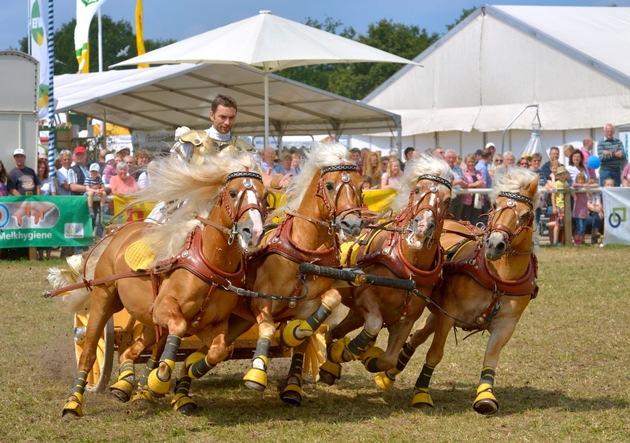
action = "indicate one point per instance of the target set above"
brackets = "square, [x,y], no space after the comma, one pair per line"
[223,100]
[537,155]
[486,153]
[355,150]
[65,152]
[409,149]
[554,148]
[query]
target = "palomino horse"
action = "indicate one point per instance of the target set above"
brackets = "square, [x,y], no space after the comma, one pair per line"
[407,248]
[323,206]
[489,280]
[216,211]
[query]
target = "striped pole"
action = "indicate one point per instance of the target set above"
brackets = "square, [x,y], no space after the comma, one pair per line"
[51,89]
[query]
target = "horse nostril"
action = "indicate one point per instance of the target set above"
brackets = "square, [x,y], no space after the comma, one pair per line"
[501,246]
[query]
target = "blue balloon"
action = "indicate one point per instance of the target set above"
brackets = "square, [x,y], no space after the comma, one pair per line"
[593,162]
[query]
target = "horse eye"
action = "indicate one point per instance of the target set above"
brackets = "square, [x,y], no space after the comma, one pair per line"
[233,193]
[447,201]
[416,190]
[330,186]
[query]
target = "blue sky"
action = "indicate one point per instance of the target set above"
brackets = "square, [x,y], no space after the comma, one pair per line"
[184,18]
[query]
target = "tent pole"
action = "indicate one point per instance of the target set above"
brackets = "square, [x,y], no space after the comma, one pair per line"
[266,92]
[512,122]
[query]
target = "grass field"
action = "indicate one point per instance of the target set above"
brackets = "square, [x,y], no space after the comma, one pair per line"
[562,378]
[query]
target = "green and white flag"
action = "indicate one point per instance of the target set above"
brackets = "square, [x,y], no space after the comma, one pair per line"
[39,50]
[85,12]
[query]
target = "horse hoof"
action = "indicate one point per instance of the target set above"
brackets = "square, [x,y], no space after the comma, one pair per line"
[337,350]
[72,409]
[486,406]
[291,395]
[256,379]
[142,395]
[422,400]
[329,372]
[119,394]
[383,381]
[183,404]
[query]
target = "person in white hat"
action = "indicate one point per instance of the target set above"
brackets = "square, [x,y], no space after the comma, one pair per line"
[22,179]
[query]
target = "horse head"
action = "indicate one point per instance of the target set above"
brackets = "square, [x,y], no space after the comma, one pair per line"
[243,199]
[511,219]
[428,183]
[339,190]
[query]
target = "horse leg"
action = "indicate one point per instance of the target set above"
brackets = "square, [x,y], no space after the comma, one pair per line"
[329,371]
[378,361]
[142,392]
[422,397]
[167,313]
[100,312]
[385,380]
[199,364]
[501,331]
[292,392]
[296,331]
[256,377]
[123,388]
[344,349]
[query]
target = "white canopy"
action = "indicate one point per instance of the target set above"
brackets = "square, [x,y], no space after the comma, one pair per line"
[571,61]
[180,95]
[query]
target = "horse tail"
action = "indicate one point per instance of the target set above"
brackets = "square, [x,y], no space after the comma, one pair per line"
[76,301]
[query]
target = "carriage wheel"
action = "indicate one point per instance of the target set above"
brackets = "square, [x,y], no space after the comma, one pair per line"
[98,378]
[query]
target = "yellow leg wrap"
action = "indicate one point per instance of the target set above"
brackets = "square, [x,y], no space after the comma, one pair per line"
[383,381]
[288,334]
[157,386]
[484,387]
[332,369]
[422,398]
[370,355]
[256,378]
[181,400]
[73,407]
[337,350]
[486,403]
[193,358]
[122,385]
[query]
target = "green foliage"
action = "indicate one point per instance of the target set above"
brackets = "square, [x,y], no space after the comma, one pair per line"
[465,13]
[359,79]
[119,43]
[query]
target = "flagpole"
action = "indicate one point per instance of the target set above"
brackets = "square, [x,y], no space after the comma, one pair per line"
[100,42]
[28,31]
[51,88]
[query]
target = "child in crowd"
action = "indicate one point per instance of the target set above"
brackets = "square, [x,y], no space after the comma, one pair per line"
[110,168]
[595,213]
[561,185]
[94,185]
[580,209]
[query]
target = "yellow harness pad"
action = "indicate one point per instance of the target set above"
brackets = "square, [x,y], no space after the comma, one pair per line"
[139,256]
[349,251]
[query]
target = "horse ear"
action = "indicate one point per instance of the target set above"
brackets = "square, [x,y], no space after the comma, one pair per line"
[533,186]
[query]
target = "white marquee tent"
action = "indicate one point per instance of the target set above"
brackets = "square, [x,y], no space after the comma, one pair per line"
[169,96]
[570,61]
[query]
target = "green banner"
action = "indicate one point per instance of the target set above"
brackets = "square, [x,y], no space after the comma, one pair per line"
[45,221]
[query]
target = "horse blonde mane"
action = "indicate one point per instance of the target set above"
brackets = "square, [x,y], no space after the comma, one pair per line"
[425,164]
[320,156]
[513,179]
[186,191]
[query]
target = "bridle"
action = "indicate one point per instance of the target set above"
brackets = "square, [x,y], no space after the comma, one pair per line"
[335,213]
[416,206]
[235,211]
[524,223]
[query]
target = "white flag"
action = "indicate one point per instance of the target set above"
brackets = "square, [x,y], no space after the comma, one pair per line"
[39,50]
[85,11]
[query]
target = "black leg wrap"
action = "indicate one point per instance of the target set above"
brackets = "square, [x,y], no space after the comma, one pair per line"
[79,383]
[404,357]
[262,347]
[151,365]
[360,343]
[487,376]
[171,347]
[425,377]
[318,317]
[297,363]
[200,368]
[183,385]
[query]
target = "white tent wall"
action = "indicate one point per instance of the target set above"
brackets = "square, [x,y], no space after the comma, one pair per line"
[570,61]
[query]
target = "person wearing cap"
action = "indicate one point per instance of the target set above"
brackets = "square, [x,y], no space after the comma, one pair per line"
[94,186]
[22,179]
[78,172]
[122,151]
